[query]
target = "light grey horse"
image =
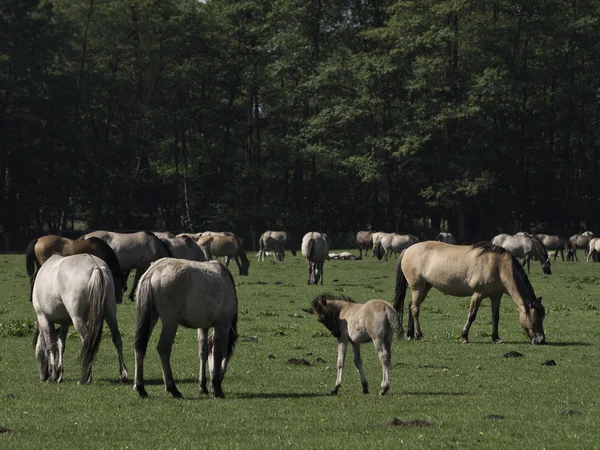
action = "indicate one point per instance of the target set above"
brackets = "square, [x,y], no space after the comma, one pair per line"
[446,237]
[74,290]
[134,251]
[393,243]
[198,295]
[375,238]
[525,247]
[270,244]
[560,244]
[364,241]
[581,241]
[593,250]
[315,250]
[288,239]
[184,248]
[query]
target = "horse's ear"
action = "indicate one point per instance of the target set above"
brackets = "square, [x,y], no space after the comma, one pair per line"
[308,310]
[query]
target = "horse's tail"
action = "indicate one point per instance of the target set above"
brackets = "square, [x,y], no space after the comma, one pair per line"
[36,333]
[310,252]
[30,261]
[145,310]
[401,285]
[378,249]
[394,322]
[98,295]
[233,334]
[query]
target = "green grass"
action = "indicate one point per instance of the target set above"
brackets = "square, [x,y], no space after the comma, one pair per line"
[470,395]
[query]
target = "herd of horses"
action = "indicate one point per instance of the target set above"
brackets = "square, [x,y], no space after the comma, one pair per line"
[80,282]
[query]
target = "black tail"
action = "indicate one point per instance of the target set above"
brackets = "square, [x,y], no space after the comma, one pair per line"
[401,285]
[145,312]
[30,261]
[310,252]
[378,250]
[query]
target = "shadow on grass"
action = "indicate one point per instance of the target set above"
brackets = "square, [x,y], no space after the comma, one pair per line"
[253,395]
[438,394]
[153,381]
[568,344]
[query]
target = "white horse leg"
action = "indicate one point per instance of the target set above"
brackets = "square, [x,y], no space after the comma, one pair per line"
[219,351]
[473,307]
[496,317]
[136,280]
[383,350]
[164,347]
[47,333]
[61,344]
[81,328]
[310,271]
[139,349]
[358,364]
[110,315]
[42,355]
[203,355]
[342,346]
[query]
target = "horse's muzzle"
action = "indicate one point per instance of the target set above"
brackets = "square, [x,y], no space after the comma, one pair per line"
[538,340]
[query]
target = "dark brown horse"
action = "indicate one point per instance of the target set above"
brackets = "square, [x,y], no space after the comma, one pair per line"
[41,249]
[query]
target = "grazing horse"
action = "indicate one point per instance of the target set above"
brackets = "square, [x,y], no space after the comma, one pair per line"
[525,247]
[445,237]
[184,248]
[134,251]
[288,239]
[558,243]
[75,290]
[481,270]
[270,244]
[392,242]
[230,246]
[315,250]
[581,241]
[356,323]
[364,241]
[41,249]
[194,294]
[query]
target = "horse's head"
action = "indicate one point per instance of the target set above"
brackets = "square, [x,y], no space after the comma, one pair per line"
[532,320]
[326,315]
[546,266]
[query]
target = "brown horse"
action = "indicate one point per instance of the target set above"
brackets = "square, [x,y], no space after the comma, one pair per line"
[288,239]
[41,249]
[229,246]
[364,241]
[481,270]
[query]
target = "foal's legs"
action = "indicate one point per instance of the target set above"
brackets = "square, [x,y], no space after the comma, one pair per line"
[473,307]
[383,350]
[203,355]
[139,348]
[495,299]
[164,347]
[342,346]
[414,328]
[110,315]
[358,364]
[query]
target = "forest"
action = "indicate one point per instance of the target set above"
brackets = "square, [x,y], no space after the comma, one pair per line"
[473,116]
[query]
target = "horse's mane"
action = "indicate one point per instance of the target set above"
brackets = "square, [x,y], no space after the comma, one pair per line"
[523,284]
[488,247]
[326,296]
[111,258]
[162,243]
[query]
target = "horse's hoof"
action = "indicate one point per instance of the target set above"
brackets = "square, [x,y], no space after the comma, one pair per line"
[384,390]
[334,391]
[140,390]
[365,389]
[176,394]
[219,394]
[464,340]
[498,341]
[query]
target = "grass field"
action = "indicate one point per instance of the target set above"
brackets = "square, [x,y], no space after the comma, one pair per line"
[460,395]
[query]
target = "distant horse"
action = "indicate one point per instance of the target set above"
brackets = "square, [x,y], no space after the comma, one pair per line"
[353,322]
[184,248]
[194,236]
[343,256]
[364,241]
[481,270]
[41,249]
[163,234]
[315,250]
[270,244]
[75,290]
[525,247]
[288,239]
[194,294]
[134,251]
[393,243]
[558,243]
[445,237]
[230,246]
[593,250]
[375,238]
[581,241]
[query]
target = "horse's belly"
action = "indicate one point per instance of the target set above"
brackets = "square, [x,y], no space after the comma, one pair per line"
[454,289]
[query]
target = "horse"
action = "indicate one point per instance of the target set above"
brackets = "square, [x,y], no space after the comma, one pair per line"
[343,256]
[184,248]
[77,290]
[353,322]
[134,251]
[163,234]
[364,240]
[230,246]
[375,238]
[41,249]
[558,243]
[581,241]
[526,247]
[481,270]
[315,250]
[270,244]
[446,237]
[288,239]
[194,236]
[593,249]
[194,294]
[392,242]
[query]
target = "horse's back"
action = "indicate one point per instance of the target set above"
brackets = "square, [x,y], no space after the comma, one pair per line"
[320,247]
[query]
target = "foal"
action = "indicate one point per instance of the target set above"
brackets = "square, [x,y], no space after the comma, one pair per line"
[356,323]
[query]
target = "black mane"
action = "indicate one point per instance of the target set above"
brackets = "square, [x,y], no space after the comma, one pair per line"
[319,298]
[488,247]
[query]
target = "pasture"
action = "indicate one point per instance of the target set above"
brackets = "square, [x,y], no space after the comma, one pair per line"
[443,394]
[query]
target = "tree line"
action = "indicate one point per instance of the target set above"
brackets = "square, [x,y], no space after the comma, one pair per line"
[475,116]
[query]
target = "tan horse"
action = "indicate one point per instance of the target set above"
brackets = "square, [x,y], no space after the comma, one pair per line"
[393,243]
[41,249]
[481,270]
[364,241]
[353,322]
[315,250]
[198,295]
[270,244]
[184,248]
[229,246]
[287,238]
